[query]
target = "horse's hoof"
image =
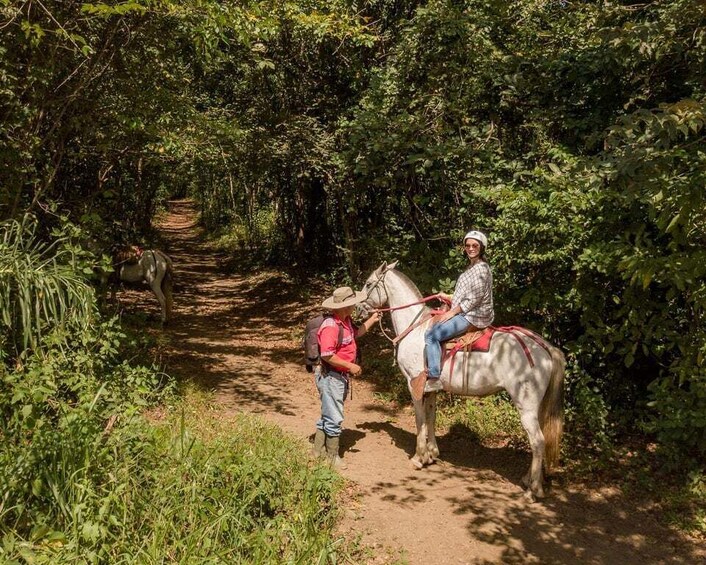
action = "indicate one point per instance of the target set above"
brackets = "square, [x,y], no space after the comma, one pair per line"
[534,495]
[417,464]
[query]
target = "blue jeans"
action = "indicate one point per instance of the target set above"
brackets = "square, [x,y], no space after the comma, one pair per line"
[333,388]
[438,333]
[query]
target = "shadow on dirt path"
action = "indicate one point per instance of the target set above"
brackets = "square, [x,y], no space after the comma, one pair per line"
[238,335]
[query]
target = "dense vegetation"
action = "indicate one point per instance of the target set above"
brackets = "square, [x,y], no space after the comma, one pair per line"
[571,132]
[87,477]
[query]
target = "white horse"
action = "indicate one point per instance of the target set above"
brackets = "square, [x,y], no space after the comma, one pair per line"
[532,374]
[134,265]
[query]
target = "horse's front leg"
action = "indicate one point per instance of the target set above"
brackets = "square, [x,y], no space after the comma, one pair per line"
[430,417]
[421,456]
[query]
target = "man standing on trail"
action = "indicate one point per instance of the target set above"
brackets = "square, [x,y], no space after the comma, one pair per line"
[339,352]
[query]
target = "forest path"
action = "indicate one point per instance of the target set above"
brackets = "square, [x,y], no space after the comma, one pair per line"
[237,334]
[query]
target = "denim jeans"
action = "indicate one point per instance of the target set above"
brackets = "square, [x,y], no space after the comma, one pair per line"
[333,388]
[438,333]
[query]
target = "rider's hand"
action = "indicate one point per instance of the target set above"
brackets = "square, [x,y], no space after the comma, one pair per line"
[355,370]
[374,317]
[444,317]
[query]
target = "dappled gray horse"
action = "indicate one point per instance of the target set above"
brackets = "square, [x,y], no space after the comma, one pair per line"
[527,367]
[133,264]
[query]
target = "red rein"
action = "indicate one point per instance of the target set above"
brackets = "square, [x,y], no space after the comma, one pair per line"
[422,301]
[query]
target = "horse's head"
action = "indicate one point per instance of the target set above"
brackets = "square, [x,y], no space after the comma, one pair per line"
[375,290]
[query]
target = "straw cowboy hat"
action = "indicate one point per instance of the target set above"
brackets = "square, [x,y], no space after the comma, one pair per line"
[343,297]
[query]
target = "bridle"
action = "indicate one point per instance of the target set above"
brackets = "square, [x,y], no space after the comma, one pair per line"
[415,322]
[378,282]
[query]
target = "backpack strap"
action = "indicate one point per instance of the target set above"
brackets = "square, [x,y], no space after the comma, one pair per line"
[340,336]
[338,345]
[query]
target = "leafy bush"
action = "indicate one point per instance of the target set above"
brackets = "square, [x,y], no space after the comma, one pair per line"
[55,409]
[85,478]
[42,285]
[143,492]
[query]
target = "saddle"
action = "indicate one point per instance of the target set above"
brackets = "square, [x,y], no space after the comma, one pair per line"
[478,340]
[128,255]
[472,340]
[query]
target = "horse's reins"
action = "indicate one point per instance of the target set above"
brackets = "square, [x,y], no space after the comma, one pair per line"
[415,323]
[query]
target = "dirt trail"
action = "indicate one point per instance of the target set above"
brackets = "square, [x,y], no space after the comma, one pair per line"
[236,334]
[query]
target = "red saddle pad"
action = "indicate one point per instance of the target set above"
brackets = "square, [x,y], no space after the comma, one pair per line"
[483,342]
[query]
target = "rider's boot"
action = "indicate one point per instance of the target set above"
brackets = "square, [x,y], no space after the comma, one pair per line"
[433,385]
[416,385]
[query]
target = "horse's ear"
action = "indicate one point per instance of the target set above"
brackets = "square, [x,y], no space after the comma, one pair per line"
[381,269]
[391,265]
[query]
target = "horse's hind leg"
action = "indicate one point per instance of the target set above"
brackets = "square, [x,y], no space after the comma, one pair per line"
[534,477]
[156,286]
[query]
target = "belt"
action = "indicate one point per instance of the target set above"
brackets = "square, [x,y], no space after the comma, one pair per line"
[342,376]
[330,369]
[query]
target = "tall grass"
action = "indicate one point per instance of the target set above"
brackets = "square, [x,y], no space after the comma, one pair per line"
[186,489]
[41,285]
[491,419]
[85,477]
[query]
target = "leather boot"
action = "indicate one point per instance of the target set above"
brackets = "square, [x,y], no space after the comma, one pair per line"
[319,449]
[332,445]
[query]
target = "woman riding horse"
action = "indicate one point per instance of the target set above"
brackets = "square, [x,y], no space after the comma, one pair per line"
[471,310]
[516,360]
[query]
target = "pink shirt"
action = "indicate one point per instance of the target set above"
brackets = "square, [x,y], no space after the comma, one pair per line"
[328,339]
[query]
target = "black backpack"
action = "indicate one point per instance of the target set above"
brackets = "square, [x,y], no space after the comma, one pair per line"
[311,344]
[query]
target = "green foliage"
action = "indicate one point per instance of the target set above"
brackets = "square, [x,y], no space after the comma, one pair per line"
[43,286]
[256,235]
[85,478]
[335,135]
[85,491]
[490,419]
[54,411]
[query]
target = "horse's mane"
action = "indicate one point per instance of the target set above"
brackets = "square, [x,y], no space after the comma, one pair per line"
[406,280]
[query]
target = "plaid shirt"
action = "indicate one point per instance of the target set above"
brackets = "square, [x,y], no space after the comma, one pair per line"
[474,294]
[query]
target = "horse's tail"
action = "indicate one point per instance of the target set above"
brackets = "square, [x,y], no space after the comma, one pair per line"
[168,284]
[551,411]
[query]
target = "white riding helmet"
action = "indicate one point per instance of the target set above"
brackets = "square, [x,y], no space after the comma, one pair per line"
[478,236]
